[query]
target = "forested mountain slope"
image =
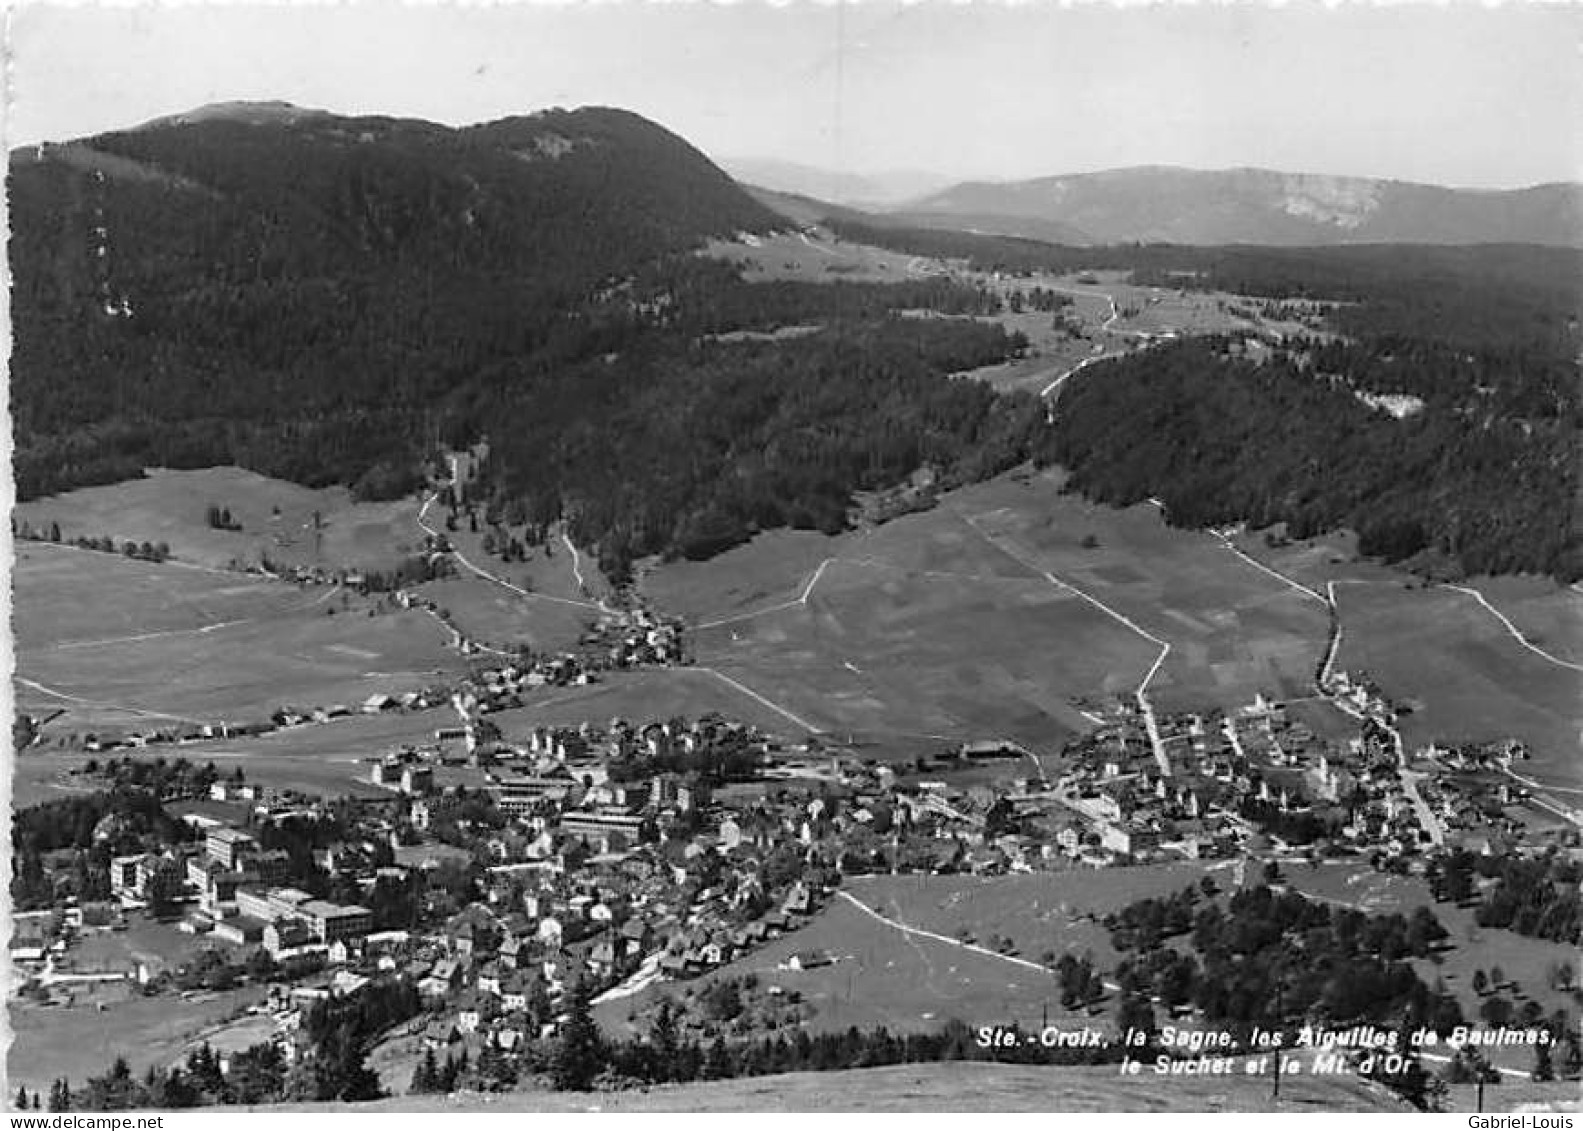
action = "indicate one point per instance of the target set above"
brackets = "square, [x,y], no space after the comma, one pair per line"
[332,299]
[297,294]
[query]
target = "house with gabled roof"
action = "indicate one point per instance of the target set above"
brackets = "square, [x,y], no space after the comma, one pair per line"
[439,1034]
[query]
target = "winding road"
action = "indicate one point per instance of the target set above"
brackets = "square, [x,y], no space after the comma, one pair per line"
[1410,778]
[919,932]
[487,576]
[1150,720]
[800,600]
[66,697]
[1515,632]
[754,695]
[577,570]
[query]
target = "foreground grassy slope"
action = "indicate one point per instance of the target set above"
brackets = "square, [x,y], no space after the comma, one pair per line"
[952,1086]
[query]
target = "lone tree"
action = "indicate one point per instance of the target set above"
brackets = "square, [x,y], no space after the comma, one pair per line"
[1134,1012]
[426,1077]
[1544,1070]
[581,1052]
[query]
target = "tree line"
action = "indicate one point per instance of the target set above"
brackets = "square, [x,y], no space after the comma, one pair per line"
[1538,897]
[1242,964]
[1220,439]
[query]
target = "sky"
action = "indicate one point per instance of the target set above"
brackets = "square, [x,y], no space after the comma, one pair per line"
[1460,95]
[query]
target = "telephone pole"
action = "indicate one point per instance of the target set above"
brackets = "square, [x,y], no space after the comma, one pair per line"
[1280,1021]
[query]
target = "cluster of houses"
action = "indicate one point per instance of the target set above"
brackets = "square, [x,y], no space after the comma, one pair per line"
[1475,797]
[636,637]
[229,879]
[283,718]
[1261,770]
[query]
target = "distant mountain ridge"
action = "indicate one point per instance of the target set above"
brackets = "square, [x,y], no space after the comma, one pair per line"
[1159,204]
[252,113]
[889,189]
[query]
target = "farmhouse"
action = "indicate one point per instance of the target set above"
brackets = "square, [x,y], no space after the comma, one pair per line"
[808,960]
[989,748]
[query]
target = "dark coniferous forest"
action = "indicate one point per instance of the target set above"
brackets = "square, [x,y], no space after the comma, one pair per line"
[335,300]
[1484,479]
[331,300]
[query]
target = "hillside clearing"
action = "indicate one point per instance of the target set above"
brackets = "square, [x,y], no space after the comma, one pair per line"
[277,519]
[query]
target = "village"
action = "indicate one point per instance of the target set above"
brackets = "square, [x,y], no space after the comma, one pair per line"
[616,856]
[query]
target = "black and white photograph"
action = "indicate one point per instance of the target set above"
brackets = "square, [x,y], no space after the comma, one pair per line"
[843,557]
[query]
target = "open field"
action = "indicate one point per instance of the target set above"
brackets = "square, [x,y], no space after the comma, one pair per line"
[545,601]
[329,758]
[170,506]
[1114,316]
[395,1058]
[766,571]
[1465,676]
[1232,630]
[817,258]
[1049,912]
[81,1041]
[880,651]
[882,976]
[245,672]
[74,599]
[943,623]
[1038,912]
[1161,310]
[1138,312]
[1549,615]
[159,946]
[109,638]
[820,257]
[548,571]
[1034,372]
[498,618]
